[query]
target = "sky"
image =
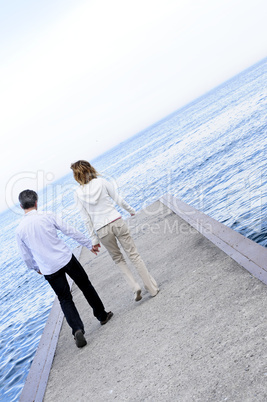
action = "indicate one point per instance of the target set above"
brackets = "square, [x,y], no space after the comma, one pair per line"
[78,77]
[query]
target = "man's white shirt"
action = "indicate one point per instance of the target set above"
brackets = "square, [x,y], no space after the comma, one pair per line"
[39,244]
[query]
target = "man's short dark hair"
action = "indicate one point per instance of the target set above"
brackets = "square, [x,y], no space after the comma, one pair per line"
[28,198]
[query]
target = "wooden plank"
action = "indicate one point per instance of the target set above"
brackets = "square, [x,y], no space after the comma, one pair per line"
[247,253]
[37,378]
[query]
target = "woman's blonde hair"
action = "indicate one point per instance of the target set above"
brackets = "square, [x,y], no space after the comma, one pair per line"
[83,172]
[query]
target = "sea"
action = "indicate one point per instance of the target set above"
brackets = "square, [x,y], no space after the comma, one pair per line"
[210,153]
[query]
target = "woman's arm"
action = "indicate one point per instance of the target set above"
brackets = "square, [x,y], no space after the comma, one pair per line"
[87,220]
[117,198]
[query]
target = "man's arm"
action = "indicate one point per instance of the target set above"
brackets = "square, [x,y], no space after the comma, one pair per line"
[70,231]
[26,255]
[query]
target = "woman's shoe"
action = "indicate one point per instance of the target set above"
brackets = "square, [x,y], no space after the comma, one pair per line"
[137,295]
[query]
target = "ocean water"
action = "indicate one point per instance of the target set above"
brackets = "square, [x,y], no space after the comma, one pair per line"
[211,154]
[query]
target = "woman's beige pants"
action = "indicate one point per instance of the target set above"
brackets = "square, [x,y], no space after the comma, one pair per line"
[118,230]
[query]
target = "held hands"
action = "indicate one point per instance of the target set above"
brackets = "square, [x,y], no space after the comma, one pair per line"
[95,248]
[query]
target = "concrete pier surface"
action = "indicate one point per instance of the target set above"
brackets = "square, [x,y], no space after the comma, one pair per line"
[202,338]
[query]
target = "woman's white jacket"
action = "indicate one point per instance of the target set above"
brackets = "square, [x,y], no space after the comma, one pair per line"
[95,202]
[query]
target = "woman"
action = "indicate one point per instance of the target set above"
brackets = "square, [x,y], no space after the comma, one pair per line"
[94,199]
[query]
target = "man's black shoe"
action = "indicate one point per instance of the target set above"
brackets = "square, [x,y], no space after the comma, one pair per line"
[109,315]
[79,338]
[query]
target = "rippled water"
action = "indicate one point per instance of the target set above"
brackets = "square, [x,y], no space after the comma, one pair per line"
[210,154]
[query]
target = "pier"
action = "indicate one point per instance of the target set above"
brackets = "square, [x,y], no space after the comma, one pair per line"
[202,338]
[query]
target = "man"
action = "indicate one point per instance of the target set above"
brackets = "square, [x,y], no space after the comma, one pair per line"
[42,250]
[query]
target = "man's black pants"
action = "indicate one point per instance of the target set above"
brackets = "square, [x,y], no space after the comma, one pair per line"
[59,283]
